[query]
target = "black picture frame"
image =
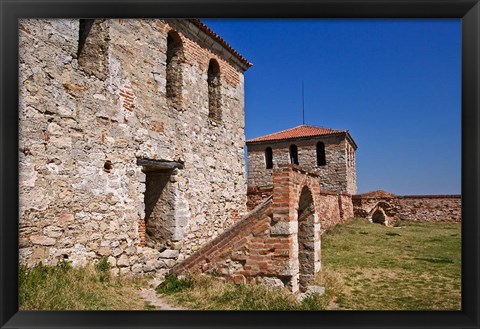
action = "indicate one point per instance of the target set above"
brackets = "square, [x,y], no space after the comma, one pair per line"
[467,10]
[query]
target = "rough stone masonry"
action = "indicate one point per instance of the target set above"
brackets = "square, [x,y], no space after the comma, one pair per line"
[131,140]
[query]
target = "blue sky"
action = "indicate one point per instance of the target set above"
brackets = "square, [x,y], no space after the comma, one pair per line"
[394,84]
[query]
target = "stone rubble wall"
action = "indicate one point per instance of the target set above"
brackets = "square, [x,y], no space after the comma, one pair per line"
[429,208]
[338,175]
[84,123]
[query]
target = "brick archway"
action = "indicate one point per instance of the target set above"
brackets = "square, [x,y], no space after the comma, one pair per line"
[307,255]
[278,242]
[296,206]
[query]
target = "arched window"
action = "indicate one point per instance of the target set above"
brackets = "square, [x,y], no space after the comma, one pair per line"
[321,161]
[268,158]
[174,72]
[214,85]
[293,154]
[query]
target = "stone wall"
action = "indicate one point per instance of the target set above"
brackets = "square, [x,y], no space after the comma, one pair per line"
[85,121]
[338,175]
[429,208]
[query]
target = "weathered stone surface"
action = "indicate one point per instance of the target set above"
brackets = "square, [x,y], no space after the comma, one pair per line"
[112,261]
[284,228]
[123,261]
[85,119]
[137,269]
[312,290]
[168,253]
[272,282]
[42,240]
[53,231]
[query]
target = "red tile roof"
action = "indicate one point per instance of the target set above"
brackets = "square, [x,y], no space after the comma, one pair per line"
[219,39]
[296,132]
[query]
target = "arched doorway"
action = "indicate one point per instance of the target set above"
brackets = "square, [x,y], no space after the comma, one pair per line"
[378,217]
[306,238]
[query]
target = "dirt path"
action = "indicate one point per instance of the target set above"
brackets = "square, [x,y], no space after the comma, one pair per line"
[151,296]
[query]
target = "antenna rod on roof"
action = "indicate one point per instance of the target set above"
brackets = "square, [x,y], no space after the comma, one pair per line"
[303,105]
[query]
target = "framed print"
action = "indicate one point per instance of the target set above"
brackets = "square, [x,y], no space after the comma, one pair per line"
[140,158]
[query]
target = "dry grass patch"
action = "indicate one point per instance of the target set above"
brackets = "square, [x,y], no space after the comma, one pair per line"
[63,287]
[213,293]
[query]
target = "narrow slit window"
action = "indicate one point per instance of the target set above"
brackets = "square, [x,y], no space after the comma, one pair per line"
[84,29]
[214,86]
[293,154]
[321,161]
[174,72]
[268,158]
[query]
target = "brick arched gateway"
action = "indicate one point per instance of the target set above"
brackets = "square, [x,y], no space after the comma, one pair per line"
[308,254]
[278,242]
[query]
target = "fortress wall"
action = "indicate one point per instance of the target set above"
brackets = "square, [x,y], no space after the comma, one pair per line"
[429,208]
[85,121]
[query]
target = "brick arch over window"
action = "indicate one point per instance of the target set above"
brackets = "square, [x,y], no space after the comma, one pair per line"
[214,87]
[175,57]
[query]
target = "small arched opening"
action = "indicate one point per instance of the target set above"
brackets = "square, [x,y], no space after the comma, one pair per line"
[378,217]
[293,152]
[214,86]
[306,238]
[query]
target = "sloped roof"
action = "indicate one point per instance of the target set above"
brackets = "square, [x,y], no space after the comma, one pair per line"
[220,40]
[298,132]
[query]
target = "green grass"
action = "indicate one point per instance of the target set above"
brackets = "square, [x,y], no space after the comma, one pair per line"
[63,287]
[365,266]
[414,266]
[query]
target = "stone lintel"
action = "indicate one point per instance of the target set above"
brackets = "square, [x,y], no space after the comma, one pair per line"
[156,165]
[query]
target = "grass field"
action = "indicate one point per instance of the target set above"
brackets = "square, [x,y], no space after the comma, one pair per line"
[365,266]
[415,266]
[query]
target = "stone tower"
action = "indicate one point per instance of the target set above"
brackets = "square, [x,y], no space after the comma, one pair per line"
[328,152]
